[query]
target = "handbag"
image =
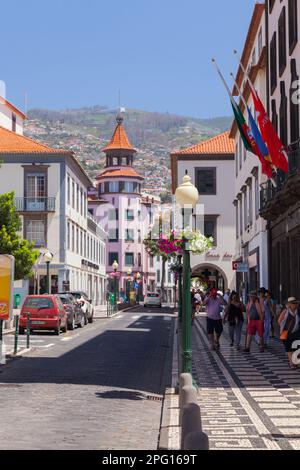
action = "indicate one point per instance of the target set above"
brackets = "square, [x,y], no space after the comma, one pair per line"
[284,335]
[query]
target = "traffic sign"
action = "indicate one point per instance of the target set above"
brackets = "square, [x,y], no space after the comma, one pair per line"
[240,267]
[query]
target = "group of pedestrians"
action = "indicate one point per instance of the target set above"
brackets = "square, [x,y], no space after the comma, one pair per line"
[259,313]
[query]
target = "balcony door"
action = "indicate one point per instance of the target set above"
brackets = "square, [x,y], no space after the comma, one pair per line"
[36,192]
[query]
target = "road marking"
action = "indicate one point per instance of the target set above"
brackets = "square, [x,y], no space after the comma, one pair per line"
[69,338]
[135,317]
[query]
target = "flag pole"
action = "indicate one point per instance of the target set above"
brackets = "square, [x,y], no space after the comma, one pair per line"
[224,81]
[245,72]
[239,91]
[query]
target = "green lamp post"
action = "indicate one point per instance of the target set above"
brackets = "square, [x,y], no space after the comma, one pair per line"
[48,257]
[187,197]
[115,266]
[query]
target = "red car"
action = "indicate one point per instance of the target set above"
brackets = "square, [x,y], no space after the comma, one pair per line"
[46,313]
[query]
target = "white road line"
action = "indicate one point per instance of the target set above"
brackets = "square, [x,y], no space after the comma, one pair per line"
[69,338]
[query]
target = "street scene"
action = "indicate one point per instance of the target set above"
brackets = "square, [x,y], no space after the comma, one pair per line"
[150,260]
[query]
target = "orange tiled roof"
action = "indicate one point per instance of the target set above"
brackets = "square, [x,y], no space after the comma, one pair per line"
[10,142]
[119,140]
[123,172]
[221,144]
[12,107]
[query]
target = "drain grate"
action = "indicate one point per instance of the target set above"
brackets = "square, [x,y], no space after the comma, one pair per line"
[154,398]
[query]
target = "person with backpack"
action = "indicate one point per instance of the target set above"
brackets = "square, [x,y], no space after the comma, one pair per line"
[289,322]
[235,317]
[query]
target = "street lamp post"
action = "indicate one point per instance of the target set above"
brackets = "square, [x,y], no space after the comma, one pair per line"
[115,268]
[129,273]
[138,278]
[180,288]
[186,197]
[48,257]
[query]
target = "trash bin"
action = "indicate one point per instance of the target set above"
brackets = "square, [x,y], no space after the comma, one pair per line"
[17,300]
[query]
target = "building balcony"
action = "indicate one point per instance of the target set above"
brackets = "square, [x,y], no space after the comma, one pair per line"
[35,204]
[276,200]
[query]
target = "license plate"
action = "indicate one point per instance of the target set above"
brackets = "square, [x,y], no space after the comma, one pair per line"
[37,323]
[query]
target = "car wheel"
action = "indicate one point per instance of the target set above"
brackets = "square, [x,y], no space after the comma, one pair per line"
[86,318]
[82,322]
[91,319]
[21,331]
[65,328]
[57,330]
[71,326]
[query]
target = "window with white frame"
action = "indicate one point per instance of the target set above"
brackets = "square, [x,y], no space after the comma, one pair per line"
[35,232]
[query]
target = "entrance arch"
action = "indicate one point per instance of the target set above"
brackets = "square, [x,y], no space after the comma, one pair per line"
[211,275]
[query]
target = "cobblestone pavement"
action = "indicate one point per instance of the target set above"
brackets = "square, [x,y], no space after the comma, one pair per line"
[248,401]
[96,388]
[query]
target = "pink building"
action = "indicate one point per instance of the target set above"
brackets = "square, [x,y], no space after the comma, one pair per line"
[125,213]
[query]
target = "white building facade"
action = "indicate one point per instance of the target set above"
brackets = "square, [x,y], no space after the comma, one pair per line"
[51,197]
[251,234]
[211,168]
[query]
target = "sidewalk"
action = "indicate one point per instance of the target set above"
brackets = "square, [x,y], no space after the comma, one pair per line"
[248,401]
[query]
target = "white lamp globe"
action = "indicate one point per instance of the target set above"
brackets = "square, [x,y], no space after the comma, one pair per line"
[115,265]
[48,257]
[187,194]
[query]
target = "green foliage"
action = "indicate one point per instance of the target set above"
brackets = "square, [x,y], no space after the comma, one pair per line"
[10,241]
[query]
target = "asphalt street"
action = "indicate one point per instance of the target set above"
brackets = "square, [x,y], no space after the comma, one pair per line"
[99,387]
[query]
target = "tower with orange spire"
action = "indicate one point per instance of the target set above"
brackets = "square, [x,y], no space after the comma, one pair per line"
[124,215]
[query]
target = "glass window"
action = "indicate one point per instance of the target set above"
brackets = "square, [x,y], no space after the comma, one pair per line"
[129,235]
[129,214]
[68,236]
[210,228]
[113,235]
[113,186]
[129,259]
[39,302]
[68,190]
[73,238]
[206,181]
[157,276]
[73,194]
[128,187]
[151,261]
[112,257]
[113,214]
[35,232]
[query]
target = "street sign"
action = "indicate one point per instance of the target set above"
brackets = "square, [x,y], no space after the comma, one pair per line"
[234,265]
[242,267]
[7,263]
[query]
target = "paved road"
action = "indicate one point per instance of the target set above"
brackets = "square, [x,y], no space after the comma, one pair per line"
[247,401]
[95,388]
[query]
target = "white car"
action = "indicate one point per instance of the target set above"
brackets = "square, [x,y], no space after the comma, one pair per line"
[152,299]
[85,304]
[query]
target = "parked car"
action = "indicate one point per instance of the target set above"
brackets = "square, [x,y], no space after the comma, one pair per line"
[74,311]
[46,313]
[152,299]
[85,303]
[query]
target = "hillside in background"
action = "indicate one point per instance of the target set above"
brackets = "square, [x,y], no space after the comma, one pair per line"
[155,135]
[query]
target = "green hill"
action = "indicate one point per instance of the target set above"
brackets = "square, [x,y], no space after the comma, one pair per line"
[155,135]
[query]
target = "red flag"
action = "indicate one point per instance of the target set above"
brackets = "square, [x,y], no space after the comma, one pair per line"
[277,153]
[265,165]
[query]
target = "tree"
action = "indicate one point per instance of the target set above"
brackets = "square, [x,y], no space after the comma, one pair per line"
[11,243]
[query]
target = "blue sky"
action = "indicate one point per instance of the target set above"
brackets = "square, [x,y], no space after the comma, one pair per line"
[74,53]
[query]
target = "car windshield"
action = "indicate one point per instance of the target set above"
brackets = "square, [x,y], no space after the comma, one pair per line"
[38,302]
[65,300]
[77,295]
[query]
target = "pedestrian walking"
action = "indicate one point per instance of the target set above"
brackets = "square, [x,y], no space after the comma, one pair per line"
[289,322]
[198,301]
[255,319]
[269,315]
[234,316]
[227,295]
[214,321]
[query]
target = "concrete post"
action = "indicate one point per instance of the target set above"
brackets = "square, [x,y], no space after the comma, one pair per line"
[190,421]
[196,441]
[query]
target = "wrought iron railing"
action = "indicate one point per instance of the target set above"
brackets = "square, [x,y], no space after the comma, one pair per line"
[269,191]
[35,204]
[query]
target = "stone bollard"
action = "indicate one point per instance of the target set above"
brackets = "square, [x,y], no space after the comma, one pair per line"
[196,441]
[184,380]
[190,421]
[188,395]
